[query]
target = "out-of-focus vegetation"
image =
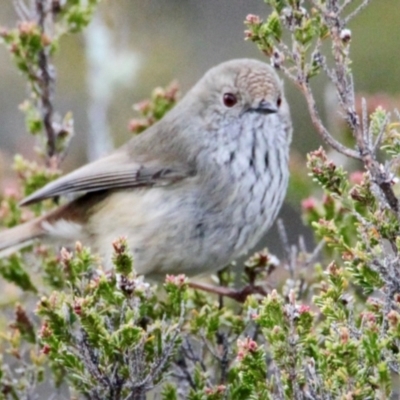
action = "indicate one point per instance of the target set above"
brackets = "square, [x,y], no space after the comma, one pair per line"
[330,330]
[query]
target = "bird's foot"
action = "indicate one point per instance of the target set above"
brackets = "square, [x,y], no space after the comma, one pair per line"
[239,295]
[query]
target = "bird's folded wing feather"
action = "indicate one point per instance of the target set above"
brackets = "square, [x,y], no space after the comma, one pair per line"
[113,172]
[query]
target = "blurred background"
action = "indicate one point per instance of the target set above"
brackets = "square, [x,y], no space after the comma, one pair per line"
[133,46]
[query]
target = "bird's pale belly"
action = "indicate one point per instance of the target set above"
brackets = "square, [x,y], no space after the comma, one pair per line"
[175,234]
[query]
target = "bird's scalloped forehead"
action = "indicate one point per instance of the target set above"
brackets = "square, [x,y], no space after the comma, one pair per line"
[249,74]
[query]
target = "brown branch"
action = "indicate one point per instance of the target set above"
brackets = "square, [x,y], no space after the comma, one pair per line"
[345,91]
[240,295]
[46,83]
[378,173]
[323,132]
[343,81]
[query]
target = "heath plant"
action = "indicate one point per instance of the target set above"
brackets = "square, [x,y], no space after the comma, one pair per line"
[329,330]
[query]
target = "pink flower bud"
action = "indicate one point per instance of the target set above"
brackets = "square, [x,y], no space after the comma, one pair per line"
[143,106]
[137,124]
[46,349]
[66,256]
[245,347]
[393,318]
[303,308]
[308,204]
[119,245]
[45,331]
[344,334]
[177,280]
[27,27]
[253,19]
[248,34]
[78,247]
[356,177]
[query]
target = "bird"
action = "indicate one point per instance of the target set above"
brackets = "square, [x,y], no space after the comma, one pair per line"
[190,194]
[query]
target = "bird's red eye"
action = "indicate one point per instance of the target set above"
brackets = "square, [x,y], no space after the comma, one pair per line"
[279,101]
[230,99]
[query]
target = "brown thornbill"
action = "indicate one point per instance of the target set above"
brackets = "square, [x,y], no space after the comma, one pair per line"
[191,193]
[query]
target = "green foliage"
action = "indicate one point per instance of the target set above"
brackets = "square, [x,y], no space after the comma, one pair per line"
[31,44]
[326,173]
[108,331]
[153,109]
[77,14]
[12,270]
[33,175]
[306,27]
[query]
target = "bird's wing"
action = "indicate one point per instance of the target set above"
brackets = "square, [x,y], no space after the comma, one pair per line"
[116,171]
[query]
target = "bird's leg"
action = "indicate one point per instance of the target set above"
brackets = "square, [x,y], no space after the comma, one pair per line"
[239,295]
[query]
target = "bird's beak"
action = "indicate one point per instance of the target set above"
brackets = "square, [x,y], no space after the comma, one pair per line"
[265,107]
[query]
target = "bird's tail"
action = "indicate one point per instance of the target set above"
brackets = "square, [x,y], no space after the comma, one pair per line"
[13,239]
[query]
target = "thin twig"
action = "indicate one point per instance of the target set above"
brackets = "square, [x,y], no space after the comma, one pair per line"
[365,125]
[181,363]
[379,137]
[345,91]
[193,356]
[344,5]
[22,10]
[356,11]
[283,237]
[313,256]
[46,83]
[224,358]
[323,132]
